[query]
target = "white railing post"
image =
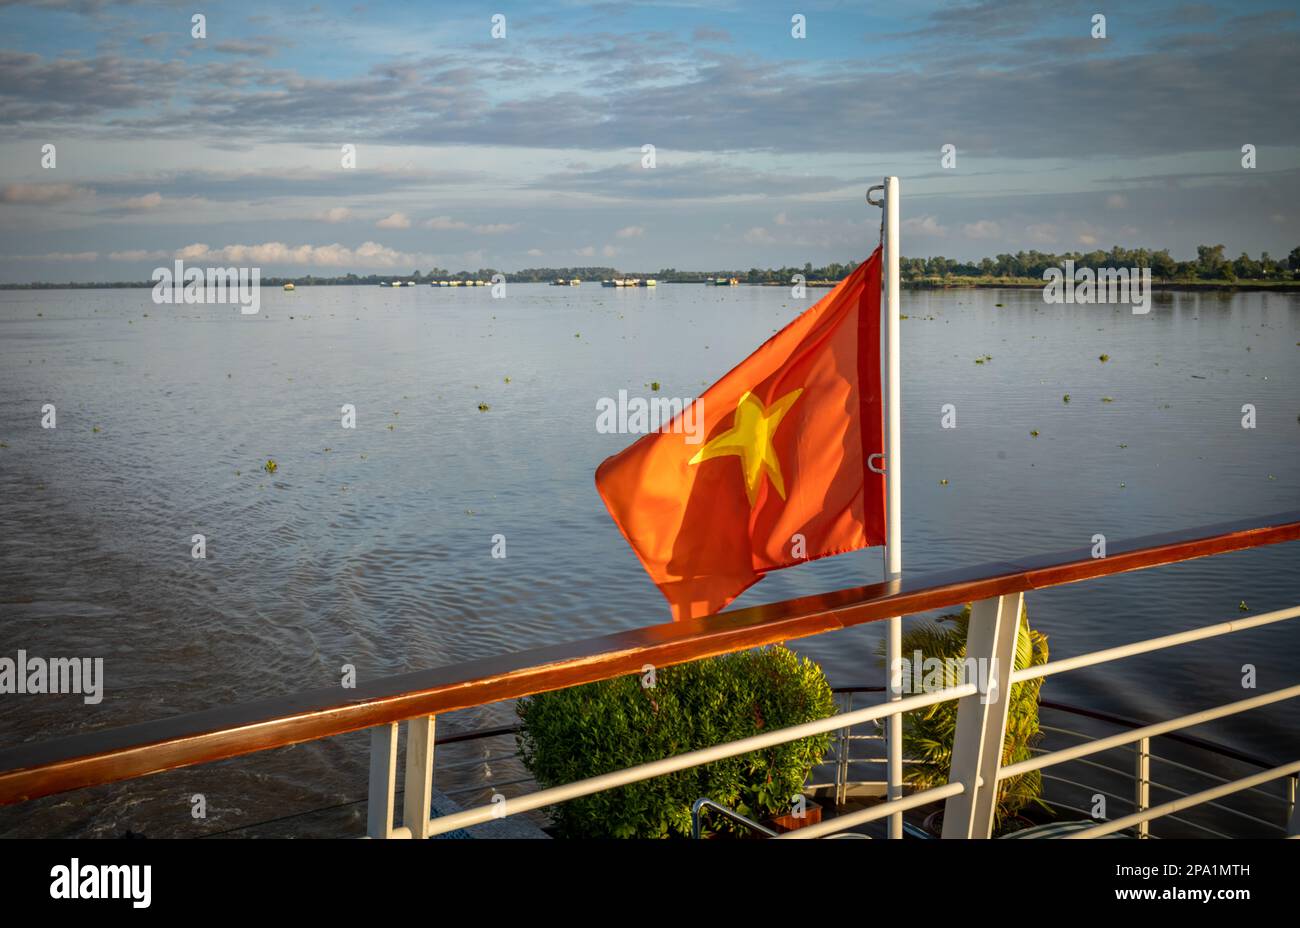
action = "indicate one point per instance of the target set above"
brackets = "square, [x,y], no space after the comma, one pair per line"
[1293,817]
[1143,784]
[383,779]
[982,718]
[418,784]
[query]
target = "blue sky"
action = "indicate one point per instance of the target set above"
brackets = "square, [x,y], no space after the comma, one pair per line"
[524,151]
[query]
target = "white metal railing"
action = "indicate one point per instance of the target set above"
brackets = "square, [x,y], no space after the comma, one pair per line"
[976,767]
[976,770]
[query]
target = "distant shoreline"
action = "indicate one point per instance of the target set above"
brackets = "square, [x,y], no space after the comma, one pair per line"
[925,283]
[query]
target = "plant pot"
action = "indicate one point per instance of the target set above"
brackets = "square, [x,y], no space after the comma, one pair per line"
[934,824]
[812,814]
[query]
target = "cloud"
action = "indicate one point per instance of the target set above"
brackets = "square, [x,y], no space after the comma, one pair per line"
[1116,201]
[759,236]
[704,34]
[588,251]
[367,254]
[445,223]
[1042,233]
[924,225]
[983,229]
[394,221]
[148,201]
[535,252]
[497,229]
[262,49]
[1087,238]
[43,193]
[630,232]
[81,257]
[335,214]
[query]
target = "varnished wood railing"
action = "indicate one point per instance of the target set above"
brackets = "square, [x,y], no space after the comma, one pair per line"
[42,768]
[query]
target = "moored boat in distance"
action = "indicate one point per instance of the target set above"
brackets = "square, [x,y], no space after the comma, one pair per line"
[608,283]
[289,286]
[575,281]
[559,282]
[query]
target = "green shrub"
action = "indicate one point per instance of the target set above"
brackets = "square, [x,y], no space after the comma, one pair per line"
[588,730]
[928,733]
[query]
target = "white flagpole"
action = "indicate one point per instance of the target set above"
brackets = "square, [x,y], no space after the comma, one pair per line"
[893,494]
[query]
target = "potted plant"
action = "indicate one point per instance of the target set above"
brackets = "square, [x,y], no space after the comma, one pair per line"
[928,733]
[585,731]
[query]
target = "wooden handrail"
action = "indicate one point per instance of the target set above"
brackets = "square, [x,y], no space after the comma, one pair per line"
[29,771]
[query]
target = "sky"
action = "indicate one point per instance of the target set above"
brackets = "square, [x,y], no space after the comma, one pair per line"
[528,149]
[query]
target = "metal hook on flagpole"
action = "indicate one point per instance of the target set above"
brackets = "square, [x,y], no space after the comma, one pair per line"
[880,205]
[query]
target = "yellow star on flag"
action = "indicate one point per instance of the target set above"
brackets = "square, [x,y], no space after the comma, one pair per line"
[750,438]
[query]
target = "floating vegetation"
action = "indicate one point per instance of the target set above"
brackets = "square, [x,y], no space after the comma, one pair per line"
[1103,358]
[95,429]
[483,407]
[1123,445]
[943,483]
[1242,607]
[1108,399]
[654,385]
[390,426]
[997,304]
[270,466]
[1066,398]
[507,380]
[1033,432]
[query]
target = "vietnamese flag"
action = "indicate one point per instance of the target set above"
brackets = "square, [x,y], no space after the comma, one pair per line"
[780,476]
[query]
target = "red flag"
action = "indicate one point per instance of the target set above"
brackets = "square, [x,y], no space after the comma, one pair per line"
[781,475]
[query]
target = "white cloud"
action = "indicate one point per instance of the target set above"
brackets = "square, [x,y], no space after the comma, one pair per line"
[924,225]
[148,201]
[984,229]
[367,254]
[535,252]
[1087,239]
[588,252]
[630,232]
[445,222]
[609,251]
[1116,201]
[43,193]
[81,256]
[336,214]
[394,221]
[1041,233]
[497,229]
[759,236]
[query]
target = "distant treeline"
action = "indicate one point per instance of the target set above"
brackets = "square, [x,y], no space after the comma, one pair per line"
[1210,264]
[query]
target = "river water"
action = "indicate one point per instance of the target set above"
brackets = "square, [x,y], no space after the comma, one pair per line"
[373,546]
